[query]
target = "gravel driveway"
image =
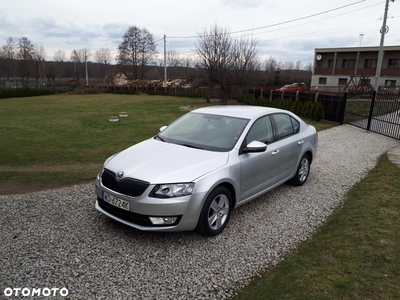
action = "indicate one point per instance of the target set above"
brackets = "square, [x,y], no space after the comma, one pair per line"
[56,238]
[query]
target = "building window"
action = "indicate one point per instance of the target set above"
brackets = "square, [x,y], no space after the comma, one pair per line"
[322,80]
[349,63]
[370,63]
[390,82]
[394,64]
[330,63]
[342,81]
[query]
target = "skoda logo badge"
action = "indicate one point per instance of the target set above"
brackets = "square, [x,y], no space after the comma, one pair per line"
[120,174]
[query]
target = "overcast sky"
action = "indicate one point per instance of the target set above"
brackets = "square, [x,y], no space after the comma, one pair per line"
[286,30]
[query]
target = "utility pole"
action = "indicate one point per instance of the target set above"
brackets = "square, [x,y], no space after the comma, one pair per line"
[165,64]
[384,30]
[87,77]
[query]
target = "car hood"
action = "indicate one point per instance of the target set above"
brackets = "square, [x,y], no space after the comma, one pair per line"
[159,162]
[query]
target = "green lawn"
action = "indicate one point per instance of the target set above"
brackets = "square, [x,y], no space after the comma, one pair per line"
[64,139]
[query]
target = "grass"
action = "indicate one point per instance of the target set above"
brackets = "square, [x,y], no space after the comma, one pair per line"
[355,255]
[64,139]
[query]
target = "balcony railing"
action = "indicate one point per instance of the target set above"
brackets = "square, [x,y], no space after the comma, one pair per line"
[360,71]
[390,72]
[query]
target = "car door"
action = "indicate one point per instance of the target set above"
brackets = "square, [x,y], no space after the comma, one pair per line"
[258,170]
[288,145]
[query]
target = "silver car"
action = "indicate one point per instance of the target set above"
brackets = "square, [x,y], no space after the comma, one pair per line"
[196,170]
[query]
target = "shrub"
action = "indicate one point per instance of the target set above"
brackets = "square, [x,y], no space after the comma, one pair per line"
[25,92]
[319,112]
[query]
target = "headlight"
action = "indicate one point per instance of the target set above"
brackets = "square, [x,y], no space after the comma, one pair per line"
[171,190]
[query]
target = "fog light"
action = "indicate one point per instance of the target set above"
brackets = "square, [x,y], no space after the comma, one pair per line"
[163,220]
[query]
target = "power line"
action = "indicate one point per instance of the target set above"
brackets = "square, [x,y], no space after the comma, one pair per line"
[280,23]
[298,19]
[330,17]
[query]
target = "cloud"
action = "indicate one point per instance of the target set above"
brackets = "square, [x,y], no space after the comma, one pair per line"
[92,24]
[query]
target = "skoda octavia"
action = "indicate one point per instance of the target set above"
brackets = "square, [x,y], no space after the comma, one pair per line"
[195,171]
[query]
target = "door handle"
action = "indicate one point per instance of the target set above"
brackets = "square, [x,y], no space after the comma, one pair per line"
[275,152]
[300,142]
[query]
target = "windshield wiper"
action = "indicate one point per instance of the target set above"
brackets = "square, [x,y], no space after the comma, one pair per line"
[159,138]
[191,146]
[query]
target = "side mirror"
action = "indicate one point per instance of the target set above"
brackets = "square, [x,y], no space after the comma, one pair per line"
[255,146]
[162,128]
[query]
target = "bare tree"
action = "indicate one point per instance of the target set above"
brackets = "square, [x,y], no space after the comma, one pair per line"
[7,59]
[38,56]
[58,68]
[298,65]
[245,60]
[270,65]
[136,51]
[103,57]
[173,58]
[76,59]
[25,56]
[289,65]
[226,60]
[80,58]
[59,56]
[188,62]
[308,67]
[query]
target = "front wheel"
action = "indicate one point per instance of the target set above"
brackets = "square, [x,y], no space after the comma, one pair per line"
[302,172]
[216,211]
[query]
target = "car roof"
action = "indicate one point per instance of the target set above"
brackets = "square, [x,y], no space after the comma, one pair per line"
[239,111]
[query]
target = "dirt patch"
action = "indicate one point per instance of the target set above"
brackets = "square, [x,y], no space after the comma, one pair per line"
[25,189]
[55,168]
[13,179]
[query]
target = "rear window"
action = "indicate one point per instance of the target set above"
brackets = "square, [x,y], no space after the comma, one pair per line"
[285,125]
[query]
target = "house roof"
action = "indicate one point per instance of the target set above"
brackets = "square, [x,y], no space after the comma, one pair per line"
[356,49]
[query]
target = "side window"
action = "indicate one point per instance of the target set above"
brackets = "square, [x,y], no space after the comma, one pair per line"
[284,126]
[261,131]
[296,125]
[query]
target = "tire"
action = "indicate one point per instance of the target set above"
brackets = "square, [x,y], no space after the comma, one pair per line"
[303,170]
[215,213]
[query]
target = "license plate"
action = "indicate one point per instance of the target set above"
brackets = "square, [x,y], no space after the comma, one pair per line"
[122,204]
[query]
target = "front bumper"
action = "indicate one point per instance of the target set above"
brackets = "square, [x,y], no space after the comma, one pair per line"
[186,209]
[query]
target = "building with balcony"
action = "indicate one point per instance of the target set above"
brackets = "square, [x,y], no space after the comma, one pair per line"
[354,68]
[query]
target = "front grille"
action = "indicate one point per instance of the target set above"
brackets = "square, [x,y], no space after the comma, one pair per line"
[127,186]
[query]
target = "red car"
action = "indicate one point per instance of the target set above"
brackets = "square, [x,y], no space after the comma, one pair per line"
[294,87]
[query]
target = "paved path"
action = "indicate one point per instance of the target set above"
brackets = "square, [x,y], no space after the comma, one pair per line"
[394,155]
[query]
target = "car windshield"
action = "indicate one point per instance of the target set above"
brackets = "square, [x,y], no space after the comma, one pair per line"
[205,131]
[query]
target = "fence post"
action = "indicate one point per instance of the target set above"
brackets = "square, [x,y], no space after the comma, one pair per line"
[371,110]
[297,95]
[270,95]
[261,93]
[343,108]
[316,97]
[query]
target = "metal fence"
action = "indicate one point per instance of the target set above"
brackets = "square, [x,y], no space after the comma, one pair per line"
[375,111]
